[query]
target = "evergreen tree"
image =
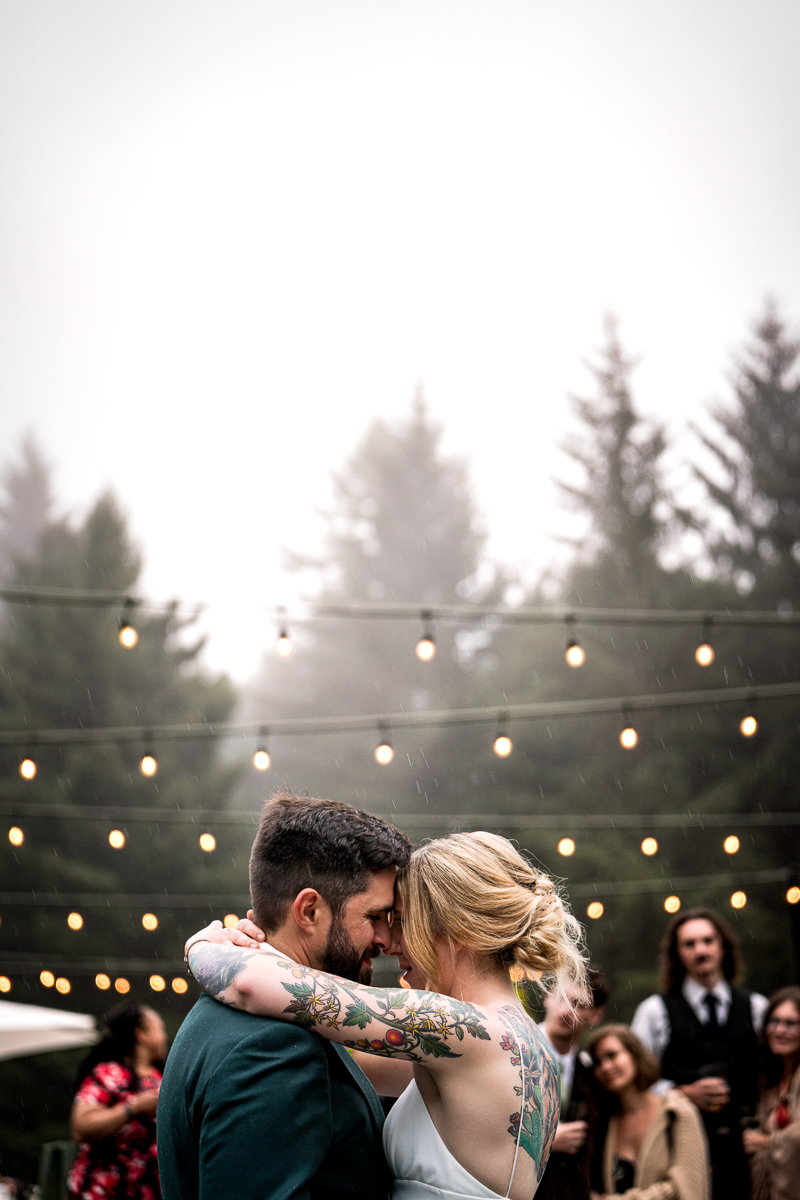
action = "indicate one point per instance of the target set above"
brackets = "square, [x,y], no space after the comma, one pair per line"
[26,509]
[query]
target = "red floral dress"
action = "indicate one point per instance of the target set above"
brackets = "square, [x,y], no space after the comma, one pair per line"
[123,1166]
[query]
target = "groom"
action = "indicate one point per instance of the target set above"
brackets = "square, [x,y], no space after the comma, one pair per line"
[252,1108]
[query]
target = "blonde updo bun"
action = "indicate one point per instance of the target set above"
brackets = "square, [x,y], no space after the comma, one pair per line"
[476,891]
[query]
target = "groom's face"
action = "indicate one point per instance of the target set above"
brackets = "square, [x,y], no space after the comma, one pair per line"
[361,930]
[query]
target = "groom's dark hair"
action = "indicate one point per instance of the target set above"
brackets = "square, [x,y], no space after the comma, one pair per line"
[324,844]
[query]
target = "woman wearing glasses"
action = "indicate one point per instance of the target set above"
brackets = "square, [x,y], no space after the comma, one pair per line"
[775,1145]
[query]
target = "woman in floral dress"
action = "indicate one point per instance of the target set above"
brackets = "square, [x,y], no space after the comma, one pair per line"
[114,1114]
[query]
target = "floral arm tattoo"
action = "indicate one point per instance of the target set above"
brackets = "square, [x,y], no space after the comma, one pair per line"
[538,1089]
[395,1022]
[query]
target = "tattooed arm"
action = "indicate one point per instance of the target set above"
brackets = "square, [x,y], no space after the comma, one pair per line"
[421,1027]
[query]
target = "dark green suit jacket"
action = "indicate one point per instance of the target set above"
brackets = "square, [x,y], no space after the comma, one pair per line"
[256,1109]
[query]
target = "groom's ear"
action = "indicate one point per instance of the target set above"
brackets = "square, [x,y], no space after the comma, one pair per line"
[310,910]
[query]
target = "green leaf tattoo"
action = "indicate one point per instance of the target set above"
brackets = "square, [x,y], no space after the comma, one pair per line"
[539,1103]
[419,1023]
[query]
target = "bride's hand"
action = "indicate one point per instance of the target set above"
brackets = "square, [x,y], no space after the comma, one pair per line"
[245,933]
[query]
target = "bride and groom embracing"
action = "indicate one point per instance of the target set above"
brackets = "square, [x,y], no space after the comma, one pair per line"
[273,1092]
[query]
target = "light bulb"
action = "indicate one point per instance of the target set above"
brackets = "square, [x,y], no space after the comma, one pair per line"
[5,983]
[576,655]
[231,921]
[731,844]
[738,900]
[705,654]
[649,846]
[122,986]
[128,637]
[47,978]
[116,839]
[63,986]
[595,910]
[148,766]
[27,768]
[793,895]
[150,921]
[157,983]
[748,726]
[503,746]
[180,985]
[261,760]
[384,754]
[103,982]
[16,836]
[672,904]
[566,847]
[207,842]
[75,921]
[628,738]
[284,645]
[425,648]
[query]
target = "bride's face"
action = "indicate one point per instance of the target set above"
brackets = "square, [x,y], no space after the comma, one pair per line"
[412,975]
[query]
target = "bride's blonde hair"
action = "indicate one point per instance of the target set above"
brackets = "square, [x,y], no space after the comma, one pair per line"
[475,890]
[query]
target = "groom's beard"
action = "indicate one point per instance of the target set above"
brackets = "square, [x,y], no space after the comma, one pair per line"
[341,957]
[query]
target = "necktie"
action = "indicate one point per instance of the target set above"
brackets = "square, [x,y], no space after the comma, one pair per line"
[710,1004]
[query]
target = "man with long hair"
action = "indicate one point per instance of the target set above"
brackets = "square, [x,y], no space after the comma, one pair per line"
[705,1032]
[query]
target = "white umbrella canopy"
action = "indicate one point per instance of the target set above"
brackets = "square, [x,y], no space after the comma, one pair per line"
[30,1029]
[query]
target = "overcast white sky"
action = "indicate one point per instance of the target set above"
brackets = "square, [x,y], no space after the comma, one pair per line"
[233,232]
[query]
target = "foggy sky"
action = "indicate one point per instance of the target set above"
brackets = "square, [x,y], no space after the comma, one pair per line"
[232,233]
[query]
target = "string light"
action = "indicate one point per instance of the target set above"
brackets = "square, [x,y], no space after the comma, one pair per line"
[503,745]
[574,654]
[566,847]
[75,920]
[5,983]
[704,654]
[47,978]
[672,904]
[384,752]
[731,844]
[207,842]
[793,895]
[649,846]
[116,839]
[63,986]
[157,983]
[748,726]
[122,986]
[426,647]
[102,981]
[595,910]
[230,921]
[628,737]
[179,985]
[16,836]
[150,921]
[261,758]
[738,900]
[27,768]
[283,645]
[128,637]
[148,765]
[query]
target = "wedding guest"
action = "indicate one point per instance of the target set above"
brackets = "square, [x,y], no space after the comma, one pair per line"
[113,1116]
[655,1148]
[705,1032]
[775,1145]
[569,1170]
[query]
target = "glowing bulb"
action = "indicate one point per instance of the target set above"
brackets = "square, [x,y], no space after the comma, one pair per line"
[128,637]
[672,904]
[180,986]
[595,910]
[576,656]
[261,760]
[738,900]
[384,754]
[75,921]
[16,836]
[63,986]
[231,921]
[566,847]
[503,746]
[793,895]
[47,978]
[207,842]
[731,844]
[628,738]
[649,846]
[116,839]
[748,726]
[150,921]
[284,645]
[5,983]
[122,986]
[425,648]
[103,982]
[705,655]
[27,768]
[148,766]
[157,983]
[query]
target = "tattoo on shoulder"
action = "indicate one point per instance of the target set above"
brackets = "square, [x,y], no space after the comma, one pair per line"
[414,1025]
[215,967]
[538,1087]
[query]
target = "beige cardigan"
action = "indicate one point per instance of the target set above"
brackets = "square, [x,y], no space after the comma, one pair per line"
[663,1173]
[776,1169]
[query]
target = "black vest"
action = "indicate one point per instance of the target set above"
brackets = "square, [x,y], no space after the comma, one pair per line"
[695,1051]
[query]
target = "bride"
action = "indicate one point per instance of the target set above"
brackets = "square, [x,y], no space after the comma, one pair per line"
[479,1115]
